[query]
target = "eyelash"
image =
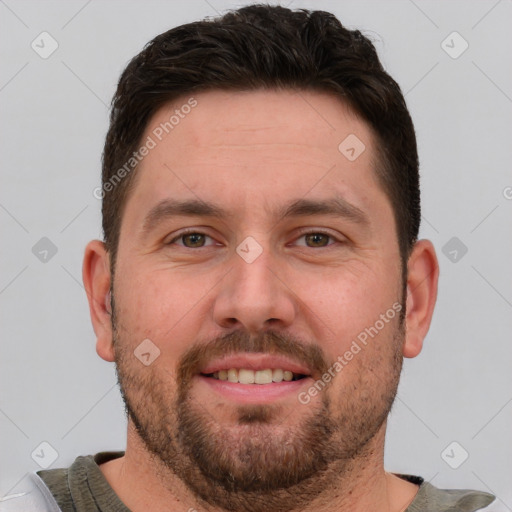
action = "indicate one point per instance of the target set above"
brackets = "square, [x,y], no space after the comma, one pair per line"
[302,234]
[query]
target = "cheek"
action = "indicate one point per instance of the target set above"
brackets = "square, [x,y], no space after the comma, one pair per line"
[344,302]
[368,365]
[159,306]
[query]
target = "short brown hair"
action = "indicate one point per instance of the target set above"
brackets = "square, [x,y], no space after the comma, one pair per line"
[264,47]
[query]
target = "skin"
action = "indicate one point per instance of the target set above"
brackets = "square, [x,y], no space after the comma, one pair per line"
[251,153]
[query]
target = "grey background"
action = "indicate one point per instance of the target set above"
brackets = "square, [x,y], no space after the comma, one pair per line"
[55,388]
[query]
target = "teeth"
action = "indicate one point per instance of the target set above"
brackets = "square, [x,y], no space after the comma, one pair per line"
[277,375]
[287,375]
[245,376]
[260,377]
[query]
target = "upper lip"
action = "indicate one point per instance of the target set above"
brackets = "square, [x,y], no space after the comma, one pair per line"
[255,362]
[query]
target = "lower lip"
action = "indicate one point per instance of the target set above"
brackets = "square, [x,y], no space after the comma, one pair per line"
[255,393]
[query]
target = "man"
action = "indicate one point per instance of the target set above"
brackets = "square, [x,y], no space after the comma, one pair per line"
[260,280]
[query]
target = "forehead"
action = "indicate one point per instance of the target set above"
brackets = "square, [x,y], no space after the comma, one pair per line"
[308,119]
[248,148]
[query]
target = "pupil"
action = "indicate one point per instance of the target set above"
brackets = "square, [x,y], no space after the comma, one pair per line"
[195,239]
[317,239]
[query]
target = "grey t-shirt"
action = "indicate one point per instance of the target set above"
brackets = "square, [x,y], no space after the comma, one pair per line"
[83,488]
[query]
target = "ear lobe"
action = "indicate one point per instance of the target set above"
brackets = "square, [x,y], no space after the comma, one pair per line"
[96,277]
[422,280]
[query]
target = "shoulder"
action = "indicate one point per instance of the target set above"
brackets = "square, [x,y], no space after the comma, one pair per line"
[495,506]
[49,490]
[34,496]
[433,499]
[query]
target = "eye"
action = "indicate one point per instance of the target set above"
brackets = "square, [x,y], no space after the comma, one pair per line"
[191,240]
[316,239]
[197,240]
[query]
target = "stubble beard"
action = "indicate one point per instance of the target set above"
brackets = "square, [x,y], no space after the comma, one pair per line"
[261,463]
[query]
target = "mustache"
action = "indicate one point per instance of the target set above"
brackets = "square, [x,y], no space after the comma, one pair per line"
[267,342]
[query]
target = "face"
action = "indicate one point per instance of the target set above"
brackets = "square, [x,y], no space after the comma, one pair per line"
[251,242]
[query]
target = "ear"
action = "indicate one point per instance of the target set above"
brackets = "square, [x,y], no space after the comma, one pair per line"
[422,278]
[96,277]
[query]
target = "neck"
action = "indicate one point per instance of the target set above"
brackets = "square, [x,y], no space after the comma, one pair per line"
[143,484]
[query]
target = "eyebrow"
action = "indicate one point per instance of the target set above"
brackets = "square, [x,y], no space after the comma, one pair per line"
[335,206]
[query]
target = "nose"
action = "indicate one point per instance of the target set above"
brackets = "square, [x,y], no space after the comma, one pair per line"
[255,296]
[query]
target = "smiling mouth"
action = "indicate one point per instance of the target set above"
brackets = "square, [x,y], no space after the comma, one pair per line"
[262,377]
